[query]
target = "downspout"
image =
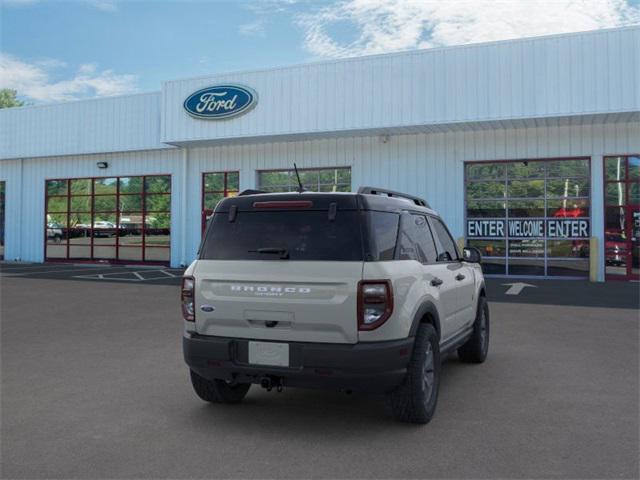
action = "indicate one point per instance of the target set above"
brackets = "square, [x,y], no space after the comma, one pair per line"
[183,208]
[20,185]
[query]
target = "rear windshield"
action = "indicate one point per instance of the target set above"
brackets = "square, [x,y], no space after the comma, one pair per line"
[275,235]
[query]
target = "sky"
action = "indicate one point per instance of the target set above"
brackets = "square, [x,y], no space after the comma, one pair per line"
[55,50]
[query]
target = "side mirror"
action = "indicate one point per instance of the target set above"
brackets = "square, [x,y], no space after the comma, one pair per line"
[471,255]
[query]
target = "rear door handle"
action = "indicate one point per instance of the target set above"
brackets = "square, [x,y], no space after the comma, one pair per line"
[436,282]
[460,277]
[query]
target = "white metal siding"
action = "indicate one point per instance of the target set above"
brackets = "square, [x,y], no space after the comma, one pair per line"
[113,124]
[26,193]
[558,76]
[428,165]
[425,164]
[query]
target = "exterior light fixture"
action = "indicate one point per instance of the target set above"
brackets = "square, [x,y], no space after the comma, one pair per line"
[102,165]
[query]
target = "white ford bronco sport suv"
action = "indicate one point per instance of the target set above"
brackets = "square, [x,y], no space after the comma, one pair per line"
[353,291]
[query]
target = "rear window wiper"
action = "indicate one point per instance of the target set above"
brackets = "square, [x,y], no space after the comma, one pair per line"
[283,252]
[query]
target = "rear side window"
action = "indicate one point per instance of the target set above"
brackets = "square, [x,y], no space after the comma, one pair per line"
[303,234]
[415,241]
[447,250]
[382,228]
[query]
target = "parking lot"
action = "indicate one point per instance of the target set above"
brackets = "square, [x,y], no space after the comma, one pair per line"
[94,386]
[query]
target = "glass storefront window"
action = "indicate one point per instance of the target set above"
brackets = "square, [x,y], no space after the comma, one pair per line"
[109,218]
[526,208]
[314,180]
[568,208]
[634,168]
[485,208]
[567,168]
[526,169]
[522,215]
[568,248]
[622,217]
[567,188]
[615,193]
[215,187]
[486,190]
[486,171]
[615,168]
[525,189]
[489,248]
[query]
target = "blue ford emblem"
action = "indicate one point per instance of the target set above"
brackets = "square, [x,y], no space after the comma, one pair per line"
[220,101]
[207,308]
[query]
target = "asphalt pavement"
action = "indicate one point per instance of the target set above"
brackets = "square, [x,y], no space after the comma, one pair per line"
[94,386]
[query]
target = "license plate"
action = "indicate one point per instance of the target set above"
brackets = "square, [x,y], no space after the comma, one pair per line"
[269,353]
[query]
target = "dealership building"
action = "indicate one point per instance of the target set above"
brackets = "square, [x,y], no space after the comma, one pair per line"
[529,149]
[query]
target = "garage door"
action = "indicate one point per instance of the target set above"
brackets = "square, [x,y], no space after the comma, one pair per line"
[115,219]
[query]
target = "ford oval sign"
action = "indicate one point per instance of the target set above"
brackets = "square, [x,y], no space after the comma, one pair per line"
[220,101]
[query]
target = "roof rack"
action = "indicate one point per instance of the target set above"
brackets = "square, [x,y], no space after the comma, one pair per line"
[250,192]
[390,193]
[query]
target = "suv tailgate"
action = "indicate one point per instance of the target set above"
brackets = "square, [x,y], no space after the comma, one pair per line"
[300,301]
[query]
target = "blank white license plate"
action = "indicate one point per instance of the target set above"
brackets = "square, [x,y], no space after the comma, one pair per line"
[269,353]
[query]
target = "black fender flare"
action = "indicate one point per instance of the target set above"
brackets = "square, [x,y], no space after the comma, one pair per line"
[426,308]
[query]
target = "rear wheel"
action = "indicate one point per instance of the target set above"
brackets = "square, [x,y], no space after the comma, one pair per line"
[415,400]
[218,391]
[476,348]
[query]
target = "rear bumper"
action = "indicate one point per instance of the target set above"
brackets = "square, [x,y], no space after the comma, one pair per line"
[370,367]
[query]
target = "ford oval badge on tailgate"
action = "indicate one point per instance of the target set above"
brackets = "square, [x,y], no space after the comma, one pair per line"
[207,308]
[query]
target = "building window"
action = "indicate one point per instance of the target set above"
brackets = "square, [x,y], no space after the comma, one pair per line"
[124,219]
[531,217]
[215,187]
[622,217]
[2,187]
[313,179]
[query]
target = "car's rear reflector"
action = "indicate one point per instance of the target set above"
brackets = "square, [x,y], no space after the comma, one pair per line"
[284,204]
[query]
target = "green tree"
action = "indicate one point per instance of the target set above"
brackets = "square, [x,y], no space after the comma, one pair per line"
[8,98]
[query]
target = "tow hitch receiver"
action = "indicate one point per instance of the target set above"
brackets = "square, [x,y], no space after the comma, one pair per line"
[269,382]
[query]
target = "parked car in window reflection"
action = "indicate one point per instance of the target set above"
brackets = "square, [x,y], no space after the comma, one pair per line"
[104,229]
[54,232]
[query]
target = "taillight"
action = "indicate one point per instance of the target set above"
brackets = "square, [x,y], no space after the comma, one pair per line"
[375,303]
[186,296]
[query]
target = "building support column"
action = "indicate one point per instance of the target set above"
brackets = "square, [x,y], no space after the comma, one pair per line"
[184,200]
[597,216]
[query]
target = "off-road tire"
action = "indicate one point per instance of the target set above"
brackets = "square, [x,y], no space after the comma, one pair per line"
[414,401]
[476,348]
[218,391]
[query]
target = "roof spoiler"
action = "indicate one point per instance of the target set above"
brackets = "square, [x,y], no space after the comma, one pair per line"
[250,192]
[421,202]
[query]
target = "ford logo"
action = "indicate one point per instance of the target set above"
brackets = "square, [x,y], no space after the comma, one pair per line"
[220,101]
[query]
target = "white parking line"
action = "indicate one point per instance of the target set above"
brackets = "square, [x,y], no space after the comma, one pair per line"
[137,276]
[4,273]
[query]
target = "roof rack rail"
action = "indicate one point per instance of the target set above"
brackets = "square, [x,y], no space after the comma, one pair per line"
[250,192]
[390,193]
